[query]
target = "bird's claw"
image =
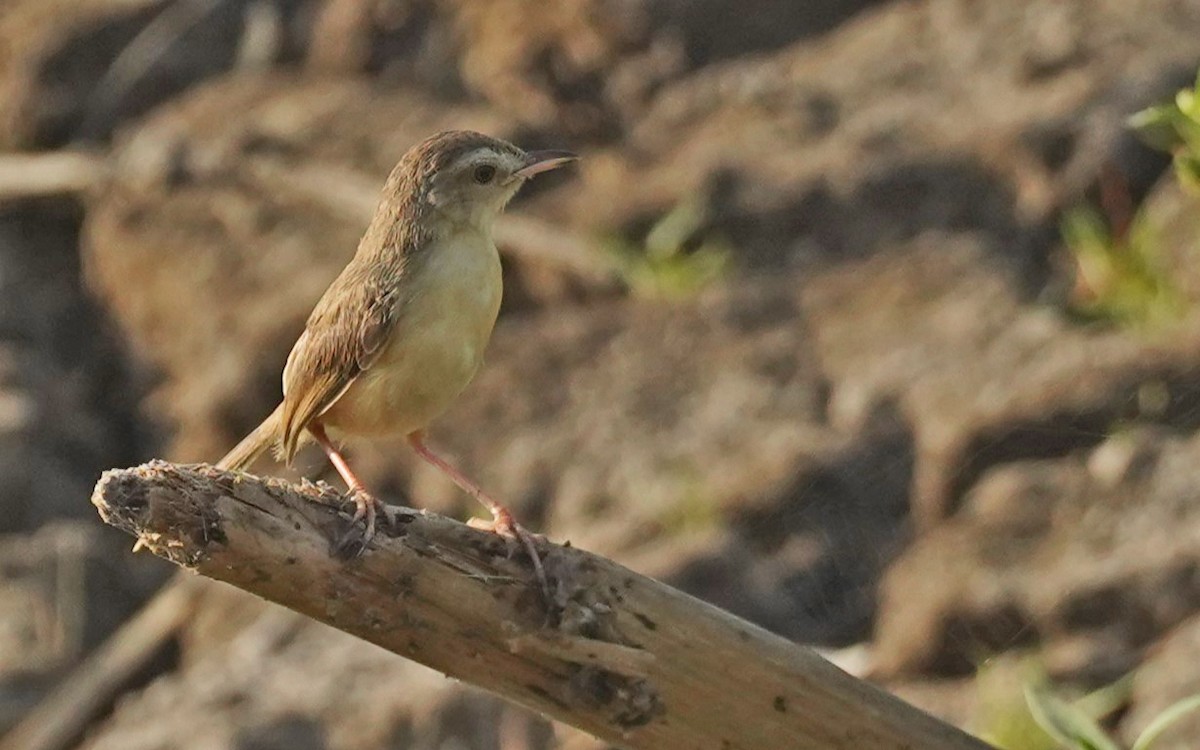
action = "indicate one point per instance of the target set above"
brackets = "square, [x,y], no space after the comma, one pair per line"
[367,507]
[513,533]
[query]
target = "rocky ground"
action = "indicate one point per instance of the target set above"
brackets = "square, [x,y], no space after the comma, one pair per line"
[879,426]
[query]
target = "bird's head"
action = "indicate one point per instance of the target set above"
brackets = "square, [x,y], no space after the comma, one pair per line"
[467,177]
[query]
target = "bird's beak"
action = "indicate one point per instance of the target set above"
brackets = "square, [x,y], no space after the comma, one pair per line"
[537,162]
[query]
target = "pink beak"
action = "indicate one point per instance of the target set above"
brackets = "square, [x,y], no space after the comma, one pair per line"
[537,162]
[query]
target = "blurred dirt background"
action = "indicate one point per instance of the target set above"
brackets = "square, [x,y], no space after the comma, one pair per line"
[878,428]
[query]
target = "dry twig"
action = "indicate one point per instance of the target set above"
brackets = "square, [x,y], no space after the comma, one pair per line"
[349,193]
[51,173]
[59,720]
[354,194]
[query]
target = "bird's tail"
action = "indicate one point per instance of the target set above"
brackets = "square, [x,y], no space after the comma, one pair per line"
[264,437]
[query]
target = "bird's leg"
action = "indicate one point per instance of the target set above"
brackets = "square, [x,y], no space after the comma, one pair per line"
[365,504]
[502,521]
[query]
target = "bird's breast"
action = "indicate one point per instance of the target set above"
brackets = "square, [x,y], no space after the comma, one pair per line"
[437,346]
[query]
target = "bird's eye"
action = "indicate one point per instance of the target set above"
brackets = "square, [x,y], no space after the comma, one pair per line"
[484,173]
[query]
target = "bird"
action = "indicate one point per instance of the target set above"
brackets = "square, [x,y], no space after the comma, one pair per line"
[401,332]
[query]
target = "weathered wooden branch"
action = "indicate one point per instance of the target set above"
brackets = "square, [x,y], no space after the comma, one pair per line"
[626,658]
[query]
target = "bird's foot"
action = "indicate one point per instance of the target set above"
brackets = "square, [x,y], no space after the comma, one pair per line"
[367,508]
[506,526]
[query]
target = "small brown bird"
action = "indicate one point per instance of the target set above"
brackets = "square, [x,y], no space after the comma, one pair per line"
[402,331]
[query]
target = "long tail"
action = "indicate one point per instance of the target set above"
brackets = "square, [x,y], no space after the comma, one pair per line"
[264,437]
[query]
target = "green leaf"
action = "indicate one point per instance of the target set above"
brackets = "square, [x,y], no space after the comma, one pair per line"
[1187,102]
[1187,169]
[665,266]
[1163,721]
[1003,718]
[1188,129]
[1157,126]
[668,235]
[1064,722]
[1084,229]
[1106,700]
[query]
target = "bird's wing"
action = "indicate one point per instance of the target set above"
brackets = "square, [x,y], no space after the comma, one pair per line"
[344,336]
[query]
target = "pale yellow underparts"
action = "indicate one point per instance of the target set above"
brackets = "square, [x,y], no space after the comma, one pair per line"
[437,345]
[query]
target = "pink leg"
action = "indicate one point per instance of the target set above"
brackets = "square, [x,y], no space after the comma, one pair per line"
[502,522]
[364,503]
